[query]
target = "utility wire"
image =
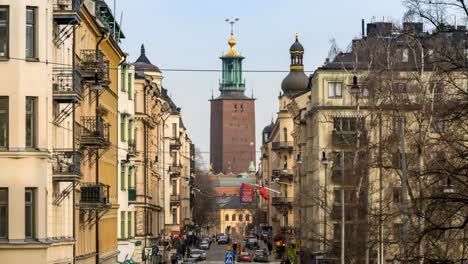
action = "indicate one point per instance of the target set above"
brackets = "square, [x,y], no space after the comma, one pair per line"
[164,69]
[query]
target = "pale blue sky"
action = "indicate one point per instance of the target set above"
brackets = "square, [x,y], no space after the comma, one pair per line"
[192,34]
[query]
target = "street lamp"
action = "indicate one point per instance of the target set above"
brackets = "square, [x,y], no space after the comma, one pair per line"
[324,162]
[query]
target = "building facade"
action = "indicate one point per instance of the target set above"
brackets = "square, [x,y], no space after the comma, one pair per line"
[232,127]
[278,164]
[126,163]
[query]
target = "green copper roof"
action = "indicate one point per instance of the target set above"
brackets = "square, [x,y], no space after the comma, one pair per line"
[252,167]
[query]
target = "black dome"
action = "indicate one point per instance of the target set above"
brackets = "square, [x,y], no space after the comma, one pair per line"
[143,63]
[296,46]
[295,81]
[268,129]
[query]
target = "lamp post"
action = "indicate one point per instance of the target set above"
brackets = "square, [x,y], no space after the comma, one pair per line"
[324,162]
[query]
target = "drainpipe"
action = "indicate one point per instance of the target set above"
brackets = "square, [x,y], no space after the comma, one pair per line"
[104,36]
[73,148]
[145,151]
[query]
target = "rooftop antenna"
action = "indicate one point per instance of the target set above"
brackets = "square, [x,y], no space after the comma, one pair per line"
[212,95]
[252,93]
[232,22]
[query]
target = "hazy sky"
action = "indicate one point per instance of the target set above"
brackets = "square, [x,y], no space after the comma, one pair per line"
[192,34]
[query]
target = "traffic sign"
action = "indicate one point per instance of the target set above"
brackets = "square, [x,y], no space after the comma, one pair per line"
[229,257]
[148,252]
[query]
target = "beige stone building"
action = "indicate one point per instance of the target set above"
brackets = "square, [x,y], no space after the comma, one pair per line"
[278,155]
[179,166]
[149,109]
[234,218]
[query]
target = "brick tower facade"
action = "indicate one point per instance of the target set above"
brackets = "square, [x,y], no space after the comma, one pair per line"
[232,138]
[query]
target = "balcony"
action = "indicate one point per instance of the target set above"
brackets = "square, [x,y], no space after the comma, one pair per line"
[347,139]
[66,85]
[94,132]
[131,148]
[94,69]
[282,202]
[131,194]
[175,144]
[94,196]
[174,171]
[282,146]
[285,174]
[66,165]
[67,12]
[175,200]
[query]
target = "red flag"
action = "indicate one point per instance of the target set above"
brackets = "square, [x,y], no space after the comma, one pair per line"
[264,193]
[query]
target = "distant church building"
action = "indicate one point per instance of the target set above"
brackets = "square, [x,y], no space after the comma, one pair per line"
[232,138]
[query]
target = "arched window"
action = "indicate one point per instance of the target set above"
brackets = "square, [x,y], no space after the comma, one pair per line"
[285,134]
[241,217]
[233,217]
[226,217]
[247,217]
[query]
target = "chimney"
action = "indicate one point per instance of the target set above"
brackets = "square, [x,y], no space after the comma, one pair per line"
[362,28]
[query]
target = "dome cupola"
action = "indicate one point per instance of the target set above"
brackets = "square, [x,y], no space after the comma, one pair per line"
[296,81]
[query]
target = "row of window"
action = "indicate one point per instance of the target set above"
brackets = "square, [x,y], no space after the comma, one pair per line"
[29,213]
[127,176]
[30,122]
[126,128]
[31,32]
[126,224]
[126,84]
[233,217]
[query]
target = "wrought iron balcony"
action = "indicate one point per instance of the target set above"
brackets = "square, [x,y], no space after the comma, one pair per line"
[94,132]
[175,200]
[282,146]
[131,148]
[67,12]
[175,143]
[66,85]
[94,196]
[66,165]
[94,69]
[284,174]
[131,194]
[347,139]
[285,202]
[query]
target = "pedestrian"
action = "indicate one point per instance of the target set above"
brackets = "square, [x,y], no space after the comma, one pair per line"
[270,247]
[188,252]
[234,247]
[184,247]
[174,259]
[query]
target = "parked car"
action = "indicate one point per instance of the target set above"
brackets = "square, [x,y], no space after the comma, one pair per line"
[198,254]
[218,236]
[223,240]
[260,255]
[190,261]
[244,257]
[205,245]
[251,243]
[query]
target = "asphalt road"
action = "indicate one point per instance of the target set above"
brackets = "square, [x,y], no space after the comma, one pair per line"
[215,255]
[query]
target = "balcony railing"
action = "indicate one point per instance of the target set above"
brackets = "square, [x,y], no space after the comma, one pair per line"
[281,201]
[131,194]
[175,143]
[282,146]
[174,199]
[66,165]
[347,139]
[94,132]
[284,174]
[67,12]
[66,85]
[94,195]
[93,68]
